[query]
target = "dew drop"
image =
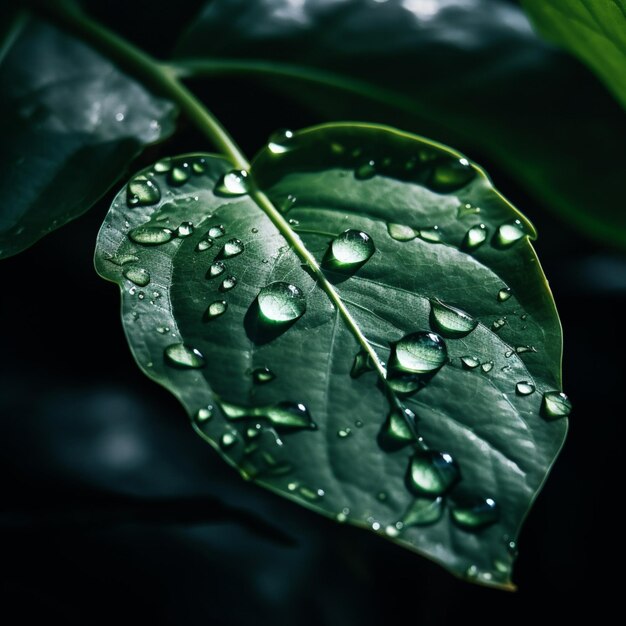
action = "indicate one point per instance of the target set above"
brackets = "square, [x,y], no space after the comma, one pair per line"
[432,473]
[487,367]
[508,234]
[262,375]
[470,362]
[401,232]
[450,174]
[466,208]
[199,165]
[137,275]
[555,405]
[151,235]
[352,247]
[232,247]
[498,324]
[475,515]
[365,171]
[179,174]
[205,244]
[163,330]
[123,259]
[228,283]
[279,141]
[216,309]
[204,414]
[396,432]
[180,355]
[216,231]
[342,433]
[284,416]
[362,363]
[524,388]
[475,237]
[216,269]
[504,294]
[432,234]
[423,512]
[281,302]
[228,440]
[449,321]
[142,191]
[164,165]
[233,183]
[185,229]
[420,353]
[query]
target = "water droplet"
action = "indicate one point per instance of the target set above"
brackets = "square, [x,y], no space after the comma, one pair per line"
[362,363]
[509,233]
[555,405]
[185,229]
[216,309]
[179,174]
[228,440]
[342,516]
[365,170]
[432,473]
[508,354]
[216,231]
[204,414]
[203,245]
[137,275]
[283,416]
[232,248]
[142,191]
[123,259]
[432,234]
[420,353]
[164,165]
[199,165]
[281,302]
[470,362]
[309,494]
[151,235]
[163,330]
[342,433]
[254,230]
[279,141]
[475,515]
[352,247]
[396,432]
[423,512]
[401,232]
[233,183]
[228,283]
[216,269]
[475,237]
[253,432]
[293,221]
[498,324]
[450,174]
[449,321]
[261,375]
[524,388]
[466,208]
[522,349]
[180,355]
[472,572]
[504,294]
[487,367]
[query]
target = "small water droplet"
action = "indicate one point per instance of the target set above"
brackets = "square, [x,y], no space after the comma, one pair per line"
[254,230]
[199,165]
[508,234]
[281,302]
[396,431]
[232,247]
[216,231]
[163,330]
[522,349]
[524,388]
[180,355]
[432,234]
[422,512]
[420,353]
[179,174]
[142,191]
[279,141]
[358,423]
[450,174]
[185,229]
[137,275]
[216,309]
[470,362]
[504,294]
[362,364]
[164,165]
[262,375]
[375,526]
[555,404]
[123,259]
[205,413]
[465,208]
[342,516]
[487,367]
[151,235]
[365,170]
[342,433]
[432,473]
[475,237]
[228,440]
[233,183]
[228,283]
[475,515]
[401,232]
[203,245]
[352,247]
[283,416]
[498,324]
[216,269]
[450,321]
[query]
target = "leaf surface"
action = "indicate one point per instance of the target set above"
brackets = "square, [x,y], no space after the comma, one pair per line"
[281,379]
[71,123]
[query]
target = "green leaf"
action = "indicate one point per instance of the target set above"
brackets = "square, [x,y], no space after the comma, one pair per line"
[270,323]
[489,86]
[71,123]
[594,31]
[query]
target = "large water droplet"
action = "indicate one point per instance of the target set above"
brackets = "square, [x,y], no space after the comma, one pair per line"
[365,171]
[262,375]
[180,355]
[524,388]
[281,302]
[509,233]
[432,473]
[138,275]
[504,294]
[475,515]
[401,232]
[142,191]
[199,166]
[179,174]
[487,367]
[215,269]
[232,248]
[449,321]
[498,324]
[228,283]
[283,416]
[352,247]
[450,174]
[362,363]
[466,208]
[216,309]
[423,512]
[184,230]
[279,141]
[420,353]
[233,183]
[475,237]
[555,405]
[151,235]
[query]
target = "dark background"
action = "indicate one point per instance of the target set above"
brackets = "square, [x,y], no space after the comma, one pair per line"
[114,511]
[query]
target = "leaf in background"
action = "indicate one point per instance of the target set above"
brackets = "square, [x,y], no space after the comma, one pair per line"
[594,31]
[71,123]
[469,72]
[274,360]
